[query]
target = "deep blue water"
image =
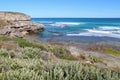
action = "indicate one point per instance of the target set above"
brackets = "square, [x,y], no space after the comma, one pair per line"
[80,29]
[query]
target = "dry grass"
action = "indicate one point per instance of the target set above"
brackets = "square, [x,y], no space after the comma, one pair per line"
[4,23]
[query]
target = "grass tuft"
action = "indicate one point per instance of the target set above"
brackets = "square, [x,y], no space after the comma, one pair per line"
[112,51]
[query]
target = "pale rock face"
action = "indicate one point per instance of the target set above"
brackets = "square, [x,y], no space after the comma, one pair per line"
[14,16]
[21,24]
[24,33]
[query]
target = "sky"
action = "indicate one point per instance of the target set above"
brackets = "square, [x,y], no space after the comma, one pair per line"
[64,8]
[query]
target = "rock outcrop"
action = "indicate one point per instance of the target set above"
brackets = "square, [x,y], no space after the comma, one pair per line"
[14,16]
[19,26]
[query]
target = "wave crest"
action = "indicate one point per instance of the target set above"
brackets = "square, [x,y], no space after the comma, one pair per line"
[109,28]
[98,31]
[97,35]
[104,31]
[69,23]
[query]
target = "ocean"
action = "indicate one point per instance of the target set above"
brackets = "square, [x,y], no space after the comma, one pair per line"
[80,29]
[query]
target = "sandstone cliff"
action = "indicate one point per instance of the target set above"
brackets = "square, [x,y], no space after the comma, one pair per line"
[14,16]
[16,24]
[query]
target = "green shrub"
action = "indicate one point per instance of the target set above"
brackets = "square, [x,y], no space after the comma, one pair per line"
[22,74]
[58,51]
[17,64]
[5,53]
[30,52]
[24,43]
[36,69]
[96,59]
[76,71]
[27,64]
[61,52]
[112,51]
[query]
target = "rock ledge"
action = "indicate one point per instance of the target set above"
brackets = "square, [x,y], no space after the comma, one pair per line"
[19,26]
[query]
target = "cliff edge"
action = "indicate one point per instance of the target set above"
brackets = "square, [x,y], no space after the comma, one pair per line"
[15,24]
[14,16]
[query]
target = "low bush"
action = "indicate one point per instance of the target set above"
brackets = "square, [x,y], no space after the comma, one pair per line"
[76,71]
[24,43]
[58,51]
[28,65]
[96,59]
[112,51]
[29,52]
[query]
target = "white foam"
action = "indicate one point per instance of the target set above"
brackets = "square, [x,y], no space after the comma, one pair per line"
[116,32]
[65,24]
[70,23]
[46,22]
[95,34]
[58,25]
[109,28]
[98,31]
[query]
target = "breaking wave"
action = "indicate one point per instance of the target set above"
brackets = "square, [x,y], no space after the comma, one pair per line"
[102,31]
[109,28]
[65,24]
[97,34]
[69,23]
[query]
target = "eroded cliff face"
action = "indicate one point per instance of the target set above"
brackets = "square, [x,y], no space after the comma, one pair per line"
[16,24]
[14,16]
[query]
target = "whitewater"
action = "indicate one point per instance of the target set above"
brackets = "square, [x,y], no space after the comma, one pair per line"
[69,28]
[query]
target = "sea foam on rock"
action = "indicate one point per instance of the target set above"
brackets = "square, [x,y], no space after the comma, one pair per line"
[20,24]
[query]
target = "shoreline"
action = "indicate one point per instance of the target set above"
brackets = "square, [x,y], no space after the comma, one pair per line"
[94,49]
[28,57]
[89,49]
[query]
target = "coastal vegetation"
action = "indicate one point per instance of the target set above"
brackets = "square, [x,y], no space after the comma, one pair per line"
[4,23]
[31,62]
[58,51]
[96,59]
[25,59]
[25,67]
[112,51]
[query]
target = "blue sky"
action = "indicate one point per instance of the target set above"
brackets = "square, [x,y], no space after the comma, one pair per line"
[64,8]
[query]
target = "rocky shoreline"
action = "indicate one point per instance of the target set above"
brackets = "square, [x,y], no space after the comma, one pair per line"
[27,58]
[104,54]
[18,24]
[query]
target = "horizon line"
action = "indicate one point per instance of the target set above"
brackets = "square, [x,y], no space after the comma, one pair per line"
[75,17]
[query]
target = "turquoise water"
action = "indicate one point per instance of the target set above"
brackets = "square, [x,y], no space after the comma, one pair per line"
[80,29]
